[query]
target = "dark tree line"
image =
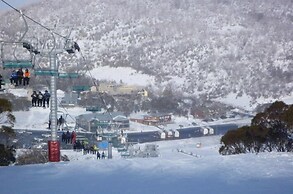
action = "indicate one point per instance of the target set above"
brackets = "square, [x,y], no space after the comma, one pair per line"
[270,130]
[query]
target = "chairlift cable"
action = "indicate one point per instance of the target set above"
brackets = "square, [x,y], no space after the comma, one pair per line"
[95,84]
[93,80]
[50,30]
[33,20]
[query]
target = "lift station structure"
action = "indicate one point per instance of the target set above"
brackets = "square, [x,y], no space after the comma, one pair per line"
[22,54]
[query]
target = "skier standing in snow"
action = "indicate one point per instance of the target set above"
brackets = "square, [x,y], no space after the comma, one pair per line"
[73,137]
[98,155]
[40,98]
[63,137]
[34,98]
[68,137]
[46,99]
[60,123]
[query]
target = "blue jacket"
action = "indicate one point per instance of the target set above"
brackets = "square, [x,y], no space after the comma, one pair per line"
[13,75]
[46,95]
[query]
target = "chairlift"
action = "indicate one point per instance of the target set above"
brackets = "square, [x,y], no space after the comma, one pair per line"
[71,47]
[68,75]
[81,88]
[50,72]
[17,64]
[93,108]
[30,48]
[45,72]
[24,50]
[25,58]
[74,74]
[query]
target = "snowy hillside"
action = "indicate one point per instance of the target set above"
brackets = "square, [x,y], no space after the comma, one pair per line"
[210,48]
[232,51]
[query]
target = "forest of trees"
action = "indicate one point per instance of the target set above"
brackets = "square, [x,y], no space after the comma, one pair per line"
[270,130]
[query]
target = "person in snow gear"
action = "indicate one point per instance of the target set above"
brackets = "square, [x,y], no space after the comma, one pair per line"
[95,149]
[68,135]
[64,137]
[60,123]
[49,124]
[13,78]
[40,98]
[46,99]
[26,78]
[19,74]
[73,137]
[34,98]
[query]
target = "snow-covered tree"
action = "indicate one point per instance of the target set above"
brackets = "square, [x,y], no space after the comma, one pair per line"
[270,130]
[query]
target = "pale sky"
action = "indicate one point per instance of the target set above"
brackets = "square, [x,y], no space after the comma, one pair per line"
[15,3]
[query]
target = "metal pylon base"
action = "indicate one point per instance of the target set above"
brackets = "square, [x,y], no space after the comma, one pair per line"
[54,151]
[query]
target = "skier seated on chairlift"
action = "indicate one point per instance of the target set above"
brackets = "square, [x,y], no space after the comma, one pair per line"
[19,79]
[13,78]
[26,77]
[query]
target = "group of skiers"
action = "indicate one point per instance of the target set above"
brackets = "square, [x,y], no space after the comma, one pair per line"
[93,149]
[60,124]
[69,138]
[40,100]
[20,77]
[99,155]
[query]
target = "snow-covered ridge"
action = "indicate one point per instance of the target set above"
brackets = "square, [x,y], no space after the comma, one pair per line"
[215,47]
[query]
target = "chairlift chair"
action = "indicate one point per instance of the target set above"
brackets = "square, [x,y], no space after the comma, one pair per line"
[30,48]
[71,46]
[17,64]
[68,75]
[45,72]
[24,49]
[80,88]
[74,74]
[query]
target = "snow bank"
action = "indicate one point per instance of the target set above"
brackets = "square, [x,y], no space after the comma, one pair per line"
[172,172]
